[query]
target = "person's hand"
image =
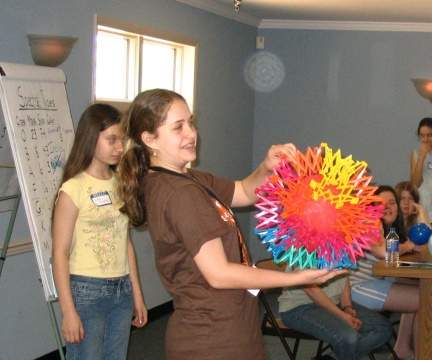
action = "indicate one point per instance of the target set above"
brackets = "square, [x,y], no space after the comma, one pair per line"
[276,153]
[318,277]
[140,314]
[420,211]
[352,321]
[415,208]
[423,150]
[349,310]
[72,328]
[408,247]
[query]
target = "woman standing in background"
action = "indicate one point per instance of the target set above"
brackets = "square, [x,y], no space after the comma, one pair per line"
[421,164]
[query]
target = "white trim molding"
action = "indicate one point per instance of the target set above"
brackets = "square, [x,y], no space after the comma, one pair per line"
[345,25]
[243,17]
[19,247]
[223,10]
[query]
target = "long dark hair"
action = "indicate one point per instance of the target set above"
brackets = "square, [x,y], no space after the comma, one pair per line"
[427,121]
[407,186]
[398,224]
[147,112]
[96,118]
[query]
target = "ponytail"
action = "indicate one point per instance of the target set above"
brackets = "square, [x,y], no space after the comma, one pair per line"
[132,170]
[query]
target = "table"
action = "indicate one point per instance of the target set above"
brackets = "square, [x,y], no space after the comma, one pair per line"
[424,321]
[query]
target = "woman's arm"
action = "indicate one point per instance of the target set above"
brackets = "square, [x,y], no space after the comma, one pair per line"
[319,297]
[417,163]
[379,249]
[422,215]
[346,300]
[140,310]
[222,274]
[65,215]
[244,192]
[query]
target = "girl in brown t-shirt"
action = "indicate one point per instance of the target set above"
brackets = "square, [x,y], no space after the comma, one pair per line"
[199,251]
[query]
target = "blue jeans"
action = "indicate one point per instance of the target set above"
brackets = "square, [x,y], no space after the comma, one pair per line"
[347,343]
[105,308]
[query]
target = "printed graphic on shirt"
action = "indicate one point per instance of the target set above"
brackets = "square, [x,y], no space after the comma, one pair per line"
[227,216]
[101,228]
[224,213]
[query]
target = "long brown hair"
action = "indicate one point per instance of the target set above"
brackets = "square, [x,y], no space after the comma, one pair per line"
[407,186]
[398,224]
[147,112]
[94,119]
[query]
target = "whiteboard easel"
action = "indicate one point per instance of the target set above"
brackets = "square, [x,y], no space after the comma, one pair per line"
[40,131]
[13,211]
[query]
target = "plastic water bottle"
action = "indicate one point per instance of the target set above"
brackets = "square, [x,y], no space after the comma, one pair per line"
[392,248]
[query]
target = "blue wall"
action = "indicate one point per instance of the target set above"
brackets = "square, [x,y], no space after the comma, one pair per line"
[350,89]
[225,117]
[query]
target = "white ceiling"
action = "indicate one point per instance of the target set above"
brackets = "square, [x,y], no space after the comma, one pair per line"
[264,13]
[338,10]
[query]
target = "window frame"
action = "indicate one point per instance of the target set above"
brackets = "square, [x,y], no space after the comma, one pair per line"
[144,34]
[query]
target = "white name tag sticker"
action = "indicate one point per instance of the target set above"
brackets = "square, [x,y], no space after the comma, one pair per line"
[101,198]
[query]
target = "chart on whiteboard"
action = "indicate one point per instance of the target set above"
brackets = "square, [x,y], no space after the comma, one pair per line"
[8,176]
[40,133]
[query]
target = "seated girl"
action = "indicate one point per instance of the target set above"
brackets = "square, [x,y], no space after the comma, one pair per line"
[409,199]
[384,293]
[327,313]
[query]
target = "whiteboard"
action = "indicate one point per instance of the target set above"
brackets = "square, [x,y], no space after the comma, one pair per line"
[8,178]
[40,131]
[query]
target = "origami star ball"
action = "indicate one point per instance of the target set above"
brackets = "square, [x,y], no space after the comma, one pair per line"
[318,210]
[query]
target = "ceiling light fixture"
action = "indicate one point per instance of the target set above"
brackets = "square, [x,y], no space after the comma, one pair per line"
[237,4]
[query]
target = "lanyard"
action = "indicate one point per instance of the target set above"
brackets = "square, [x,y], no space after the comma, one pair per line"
[243,248]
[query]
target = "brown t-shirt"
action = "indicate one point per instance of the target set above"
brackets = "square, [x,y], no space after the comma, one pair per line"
[207,323]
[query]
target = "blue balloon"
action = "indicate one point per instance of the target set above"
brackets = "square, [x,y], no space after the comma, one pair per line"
[419,234]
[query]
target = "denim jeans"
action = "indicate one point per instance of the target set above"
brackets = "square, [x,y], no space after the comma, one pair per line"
[347,343]
[105,308]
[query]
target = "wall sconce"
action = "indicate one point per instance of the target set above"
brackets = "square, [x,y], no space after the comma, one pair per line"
[423,87]
[50,50]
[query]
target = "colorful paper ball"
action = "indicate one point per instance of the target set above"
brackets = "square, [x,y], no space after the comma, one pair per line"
[318,210]
[419,234]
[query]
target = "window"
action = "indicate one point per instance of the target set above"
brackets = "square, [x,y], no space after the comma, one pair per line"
[128,63]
